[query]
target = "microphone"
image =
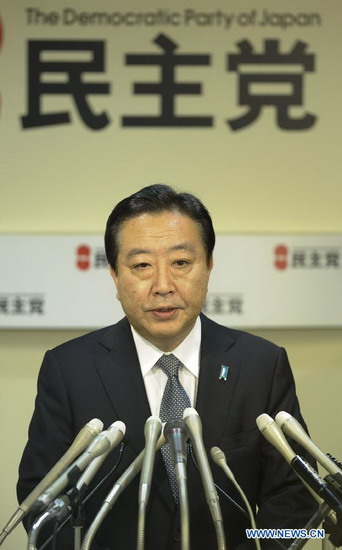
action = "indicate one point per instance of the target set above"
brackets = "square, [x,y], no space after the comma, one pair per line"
[118,429]
[219,458]
[99,445]
[152,431]
[81,441]
[194,424]
[59,509]
[271,431]
[291,427]
[76,494]
[177,434]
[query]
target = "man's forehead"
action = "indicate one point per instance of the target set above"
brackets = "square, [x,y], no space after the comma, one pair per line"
[177,247]
[173,230]
[159,222]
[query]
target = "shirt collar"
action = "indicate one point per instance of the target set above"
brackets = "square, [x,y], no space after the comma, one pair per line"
[188,351]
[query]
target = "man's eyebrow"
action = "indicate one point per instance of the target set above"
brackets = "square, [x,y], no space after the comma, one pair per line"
[183,246]
[136,251]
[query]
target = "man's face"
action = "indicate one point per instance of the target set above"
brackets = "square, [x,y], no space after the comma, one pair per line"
[162,276]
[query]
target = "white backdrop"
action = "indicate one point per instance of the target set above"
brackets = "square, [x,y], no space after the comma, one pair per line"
[257,281]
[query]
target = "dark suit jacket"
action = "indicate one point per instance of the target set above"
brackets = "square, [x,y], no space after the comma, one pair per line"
[98,375]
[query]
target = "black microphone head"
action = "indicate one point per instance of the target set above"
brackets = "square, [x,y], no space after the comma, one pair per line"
[172,425]
[176,433]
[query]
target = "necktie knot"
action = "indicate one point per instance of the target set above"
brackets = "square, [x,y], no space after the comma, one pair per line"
[175,399]
[170,364]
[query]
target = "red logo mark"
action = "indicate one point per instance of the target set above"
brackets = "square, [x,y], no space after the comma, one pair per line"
[281,256]
[83,257]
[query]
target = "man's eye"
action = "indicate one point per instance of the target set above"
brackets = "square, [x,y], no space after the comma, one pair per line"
[142,265]
[182,263]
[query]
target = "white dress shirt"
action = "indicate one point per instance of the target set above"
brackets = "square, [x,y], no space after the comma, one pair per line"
[188,353]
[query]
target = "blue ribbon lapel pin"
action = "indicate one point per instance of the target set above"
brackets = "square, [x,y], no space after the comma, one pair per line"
[224,372]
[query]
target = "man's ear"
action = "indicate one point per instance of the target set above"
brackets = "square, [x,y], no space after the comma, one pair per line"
[211,262]
[114,276]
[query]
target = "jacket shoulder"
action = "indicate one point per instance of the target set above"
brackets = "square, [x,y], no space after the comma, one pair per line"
[104,338]
[237,337]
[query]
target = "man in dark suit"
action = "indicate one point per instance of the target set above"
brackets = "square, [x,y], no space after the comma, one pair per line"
[159,246]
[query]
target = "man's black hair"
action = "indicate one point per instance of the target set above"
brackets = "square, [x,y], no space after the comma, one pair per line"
[155,199]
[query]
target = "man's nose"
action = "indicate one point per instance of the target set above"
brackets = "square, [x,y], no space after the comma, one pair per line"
[163,282]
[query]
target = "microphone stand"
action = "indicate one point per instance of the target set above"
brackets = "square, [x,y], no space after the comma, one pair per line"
[34,531]
[180,469]
[57,508]
[78,522]
[326,544]
[335,531]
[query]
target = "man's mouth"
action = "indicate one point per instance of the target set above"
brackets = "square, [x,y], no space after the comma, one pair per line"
[164,312]
[164,308]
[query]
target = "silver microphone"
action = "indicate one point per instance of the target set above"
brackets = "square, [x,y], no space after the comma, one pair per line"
[118,429]
[101,444]
[152,431]
[291,427]
[194,424]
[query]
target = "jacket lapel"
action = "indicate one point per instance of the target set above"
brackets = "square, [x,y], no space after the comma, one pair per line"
[219,373]
[120,373]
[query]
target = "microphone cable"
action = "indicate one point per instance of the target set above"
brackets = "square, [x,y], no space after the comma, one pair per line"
[231,500]
[92,492]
